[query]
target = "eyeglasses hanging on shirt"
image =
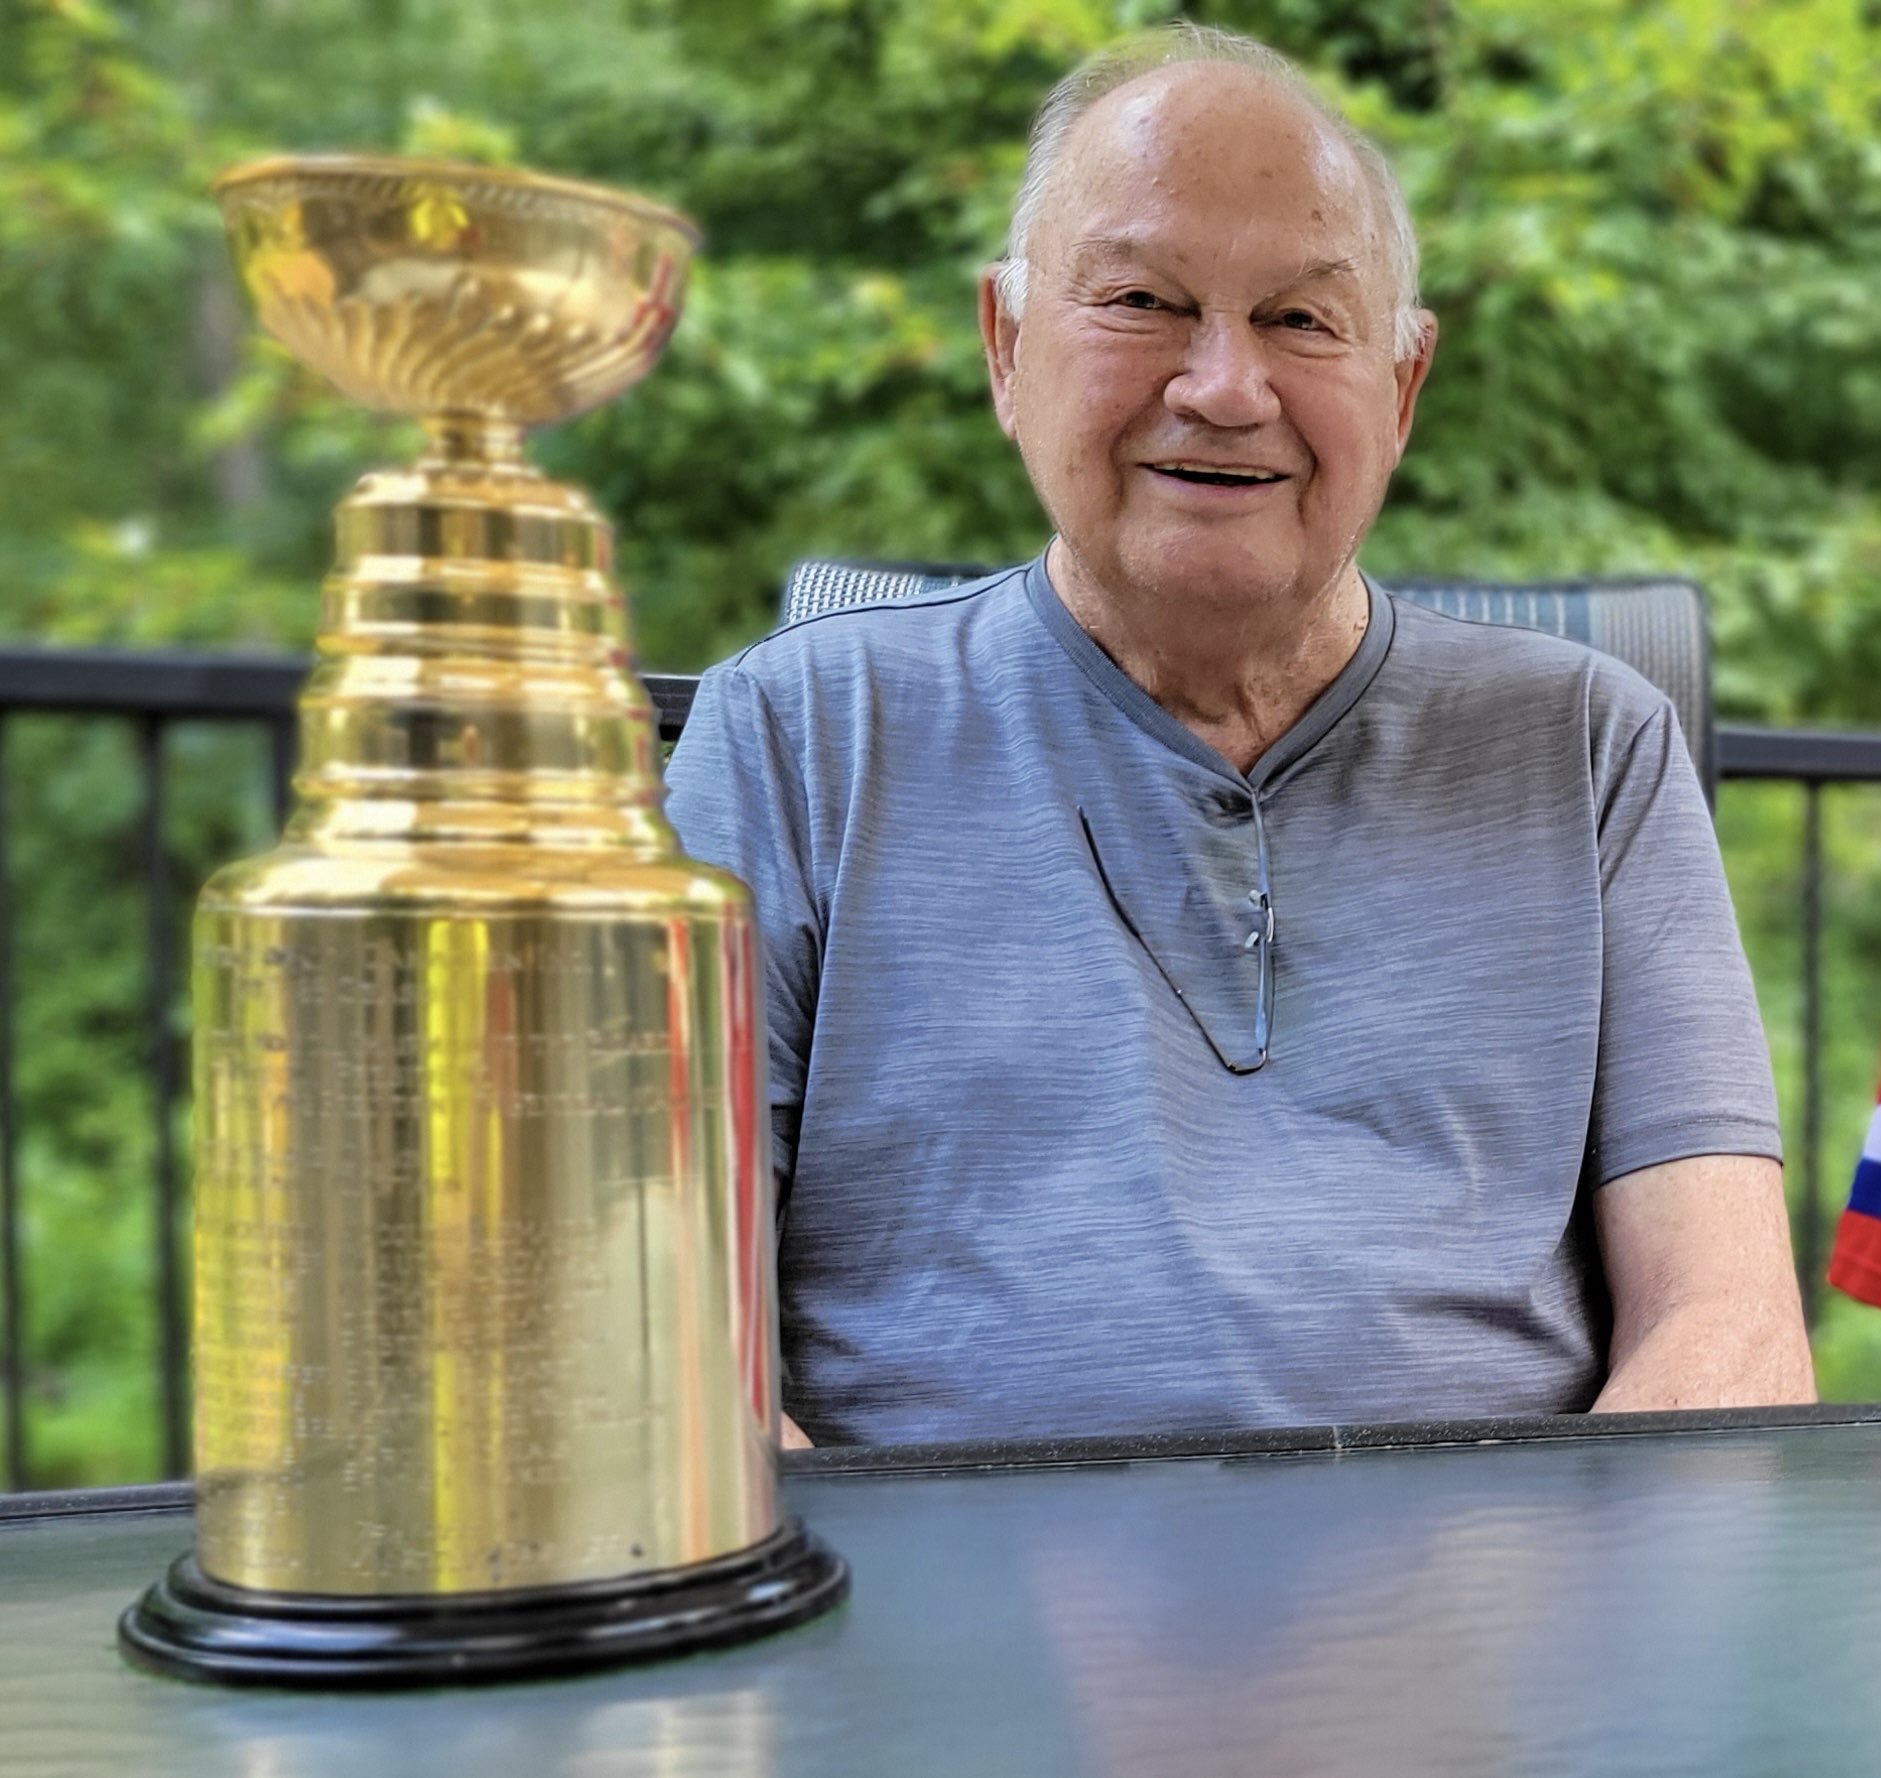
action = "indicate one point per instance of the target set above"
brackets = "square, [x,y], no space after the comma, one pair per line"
[1230,1046]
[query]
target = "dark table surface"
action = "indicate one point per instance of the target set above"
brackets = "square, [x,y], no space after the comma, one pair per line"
[1677,1595]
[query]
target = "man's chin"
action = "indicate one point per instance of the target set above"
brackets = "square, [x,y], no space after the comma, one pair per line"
[1213,570]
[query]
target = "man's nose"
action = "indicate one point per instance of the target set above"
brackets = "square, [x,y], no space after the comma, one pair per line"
[1223,379]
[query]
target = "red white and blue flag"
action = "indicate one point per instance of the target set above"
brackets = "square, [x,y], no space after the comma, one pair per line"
[1855,1264]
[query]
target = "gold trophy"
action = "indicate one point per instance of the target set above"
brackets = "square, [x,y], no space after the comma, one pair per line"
[485,1337]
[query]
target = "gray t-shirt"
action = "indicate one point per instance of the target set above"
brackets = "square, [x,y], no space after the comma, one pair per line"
[1005,898]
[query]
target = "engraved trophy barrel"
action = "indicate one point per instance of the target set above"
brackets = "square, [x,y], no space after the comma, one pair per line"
[485,1335]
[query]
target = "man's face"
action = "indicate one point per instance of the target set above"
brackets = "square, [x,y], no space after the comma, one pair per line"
[1203,383]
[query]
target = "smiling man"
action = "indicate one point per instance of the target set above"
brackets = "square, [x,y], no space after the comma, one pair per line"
[1202,990]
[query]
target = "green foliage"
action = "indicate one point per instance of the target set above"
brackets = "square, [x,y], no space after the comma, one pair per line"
[1652,230]
[83,1035]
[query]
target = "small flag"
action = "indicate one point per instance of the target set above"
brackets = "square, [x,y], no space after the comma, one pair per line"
[1855,1264]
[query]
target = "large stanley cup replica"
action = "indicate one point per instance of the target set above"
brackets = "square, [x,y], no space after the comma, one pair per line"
[486,1371]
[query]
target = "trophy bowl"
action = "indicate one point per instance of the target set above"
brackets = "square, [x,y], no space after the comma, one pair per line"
[434,288]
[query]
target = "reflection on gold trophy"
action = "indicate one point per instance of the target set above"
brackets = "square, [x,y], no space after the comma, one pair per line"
[486,1368]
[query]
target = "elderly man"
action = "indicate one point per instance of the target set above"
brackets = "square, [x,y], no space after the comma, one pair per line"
[1202,990]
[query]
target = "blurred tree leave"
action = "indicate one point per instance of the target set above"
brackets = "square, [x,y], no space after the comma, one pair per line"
[1651,234]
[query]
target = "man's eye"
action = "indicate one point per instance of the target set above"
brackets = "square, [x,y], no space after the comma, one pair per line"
[1140,299]
[1299,320]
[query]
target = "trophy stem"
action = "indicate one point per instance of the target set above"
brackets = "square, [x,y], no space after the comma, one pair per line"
[460,439]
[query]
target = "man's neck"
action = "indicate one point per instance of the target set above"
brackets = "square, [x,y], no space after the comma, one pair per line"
[1236,676]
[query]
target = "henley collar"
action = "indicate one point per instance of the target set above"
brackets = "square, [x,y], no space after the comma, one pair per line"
[1143,710]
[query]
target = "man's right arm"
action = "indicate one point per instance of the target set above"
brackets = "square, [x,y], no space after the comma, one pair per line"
[735,794]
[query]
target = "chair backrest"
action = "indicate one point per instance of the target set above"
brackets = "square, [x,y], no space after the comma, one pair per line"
[1658,627]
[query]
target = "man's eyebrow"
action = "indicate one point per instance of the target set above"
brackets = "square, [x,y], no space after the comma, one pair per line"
[1108,247]
[1327,268]
[1091,247]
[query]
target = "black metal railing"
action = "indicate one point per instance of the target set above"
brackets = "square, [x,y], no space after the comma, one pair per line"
[1811,758]
[157,689]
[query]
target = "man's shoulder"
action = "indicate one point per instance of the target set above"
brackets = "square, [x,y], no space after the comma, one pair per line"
[854,689]
[889,639]
[1526,673]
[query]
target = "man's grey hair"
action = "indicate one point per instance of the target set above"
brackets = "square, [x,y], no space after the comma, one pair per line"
[1169,46]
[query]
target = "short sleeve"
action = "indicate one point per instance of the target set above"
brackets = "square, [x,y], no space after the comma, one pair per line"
[1683,1068]
[735,793]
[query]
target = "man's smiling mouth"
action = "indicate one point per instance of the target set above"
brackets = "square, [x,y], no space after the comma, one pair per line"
[1209,476]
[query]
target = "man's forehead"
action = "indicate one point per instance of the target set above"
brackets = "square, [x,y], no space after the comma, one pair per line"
[1248,104]
[1202,135]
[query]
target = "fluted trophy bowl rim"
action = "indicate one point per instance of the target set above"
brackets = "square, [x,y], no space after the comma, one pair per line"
[342,167]
[502,294]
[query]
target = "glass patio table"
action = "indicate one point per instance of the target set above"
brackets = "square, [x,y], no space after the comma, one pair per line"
[1643,1594]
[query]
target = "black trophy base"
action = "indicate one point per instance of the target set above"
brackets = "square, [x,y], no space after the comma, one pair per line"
[193,1627]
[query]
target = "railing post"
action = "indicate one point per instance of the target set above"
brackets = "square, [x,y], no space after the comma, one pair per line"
[283,747]
[13,1315]
[160,992]
[1809,1245]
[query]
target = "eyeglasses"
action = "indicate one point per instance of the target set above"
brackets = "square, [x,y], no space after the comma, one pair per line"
[1259,945]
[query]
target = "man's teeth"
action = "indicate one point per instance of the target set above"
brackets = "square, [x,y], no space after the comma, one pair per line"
[1221,478]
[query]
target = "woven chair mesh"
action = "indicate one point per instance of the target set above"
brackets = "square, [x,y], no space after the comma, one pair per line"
[818,587]
[1660,628]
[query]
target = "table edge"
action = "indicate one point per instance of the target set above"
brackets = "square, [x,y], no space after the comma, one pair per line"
[1110,1450]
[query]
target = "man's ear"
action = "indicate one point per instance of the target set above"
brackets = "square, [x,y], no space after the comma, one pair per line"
[1411,372]
[999,334]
